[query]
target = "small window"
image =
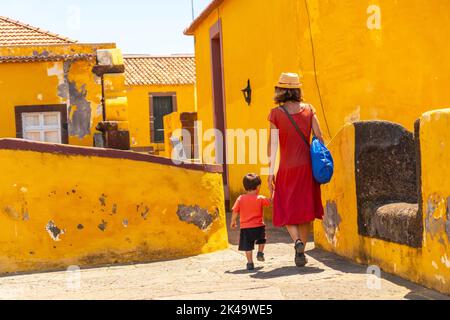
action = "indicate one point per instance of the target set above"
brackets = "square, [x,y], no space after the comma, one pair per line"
[42,126]
[42,123]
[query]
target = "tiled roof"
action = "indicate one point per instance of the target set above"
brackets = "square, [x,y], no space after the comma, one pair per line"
[205,13]
[159,70]
[46,58]
[14,33]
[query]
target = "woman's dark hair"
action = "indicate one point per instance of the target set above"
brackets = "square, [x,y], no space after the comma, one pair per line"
[252,182]
[283,95]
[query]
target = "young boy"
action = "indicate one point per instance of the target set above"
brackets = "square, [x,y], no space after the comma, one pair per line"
[250,208]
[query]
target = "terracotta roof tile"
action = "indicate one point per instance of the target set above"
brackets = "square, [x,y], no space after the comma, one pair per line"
[47,58]
[15,33]
[159,70]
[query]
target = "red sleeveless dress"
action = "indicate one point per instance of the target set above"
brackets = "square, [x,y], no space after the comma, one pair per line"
[297,198]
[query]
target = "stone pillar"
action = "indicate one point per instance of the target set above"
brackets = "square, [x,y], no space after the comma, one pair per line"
[114,128]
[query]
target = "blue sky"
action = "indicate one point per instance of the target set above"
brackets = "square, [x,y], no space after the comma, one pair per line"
[137,26]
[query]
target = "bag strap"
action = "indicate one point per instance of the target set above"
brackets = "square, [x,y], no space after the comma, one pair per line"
[299,131]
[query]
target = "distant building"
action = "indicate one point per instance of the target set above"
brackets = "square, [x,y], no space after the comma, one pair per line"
[157,87]
[49,90]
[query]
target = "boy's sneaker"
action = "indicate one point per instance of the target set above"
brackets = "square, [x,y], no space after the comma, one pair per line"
[300,257]
[250,266]
[260,257]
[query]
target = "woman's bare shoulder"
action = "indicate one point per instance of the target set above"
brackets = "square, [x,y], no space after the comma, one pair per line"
[310,107]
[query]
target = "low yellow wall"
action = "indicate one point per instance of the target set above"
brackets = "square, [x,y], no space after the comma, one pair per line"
[429,265]
[139,108]
[65,205]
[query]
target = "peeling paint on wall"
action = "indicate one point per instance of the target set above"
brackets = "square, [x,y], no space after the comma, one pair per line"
[80,121]
[102,200]
[102,226]
[447,223]
[434,222]
[57,71]
[144,211]
[445,261]
[54,231]
[25,216]
[11,212]
[63,87]
[197,216]
[331,222]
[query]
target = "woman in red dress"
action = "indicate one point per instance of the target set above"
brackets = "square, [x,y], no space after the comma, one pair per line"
[296,195]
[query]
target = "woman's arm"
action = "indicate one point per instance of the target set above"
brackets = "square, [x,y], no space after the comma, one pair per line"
[316,128]
[272,150]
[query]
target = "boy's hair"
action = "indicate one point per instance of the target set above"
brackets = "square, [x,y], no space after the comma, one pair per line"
[251,182]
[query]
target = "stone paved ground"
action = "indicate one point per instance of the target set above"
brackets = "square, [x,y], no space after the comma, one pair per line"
[220,276]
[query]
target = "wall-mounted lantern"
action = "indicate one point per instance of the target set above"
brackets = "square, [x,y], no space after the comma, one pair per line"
[248,93]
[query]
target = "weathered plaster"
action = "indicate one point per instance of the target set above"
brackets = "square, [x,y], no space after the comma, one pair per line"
[102,226]
[435,225]
[80,121]
[196,216]
[447,223]
[54,231]
[331,221]
[11,212]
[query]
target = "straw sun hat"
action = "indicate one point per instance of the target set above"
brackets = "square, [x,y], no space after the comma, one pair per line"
[289,81]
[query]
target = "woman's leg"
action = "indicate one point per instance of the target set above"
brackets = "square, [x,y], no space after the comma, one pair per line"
[303,232]
[294,232]
[298,234]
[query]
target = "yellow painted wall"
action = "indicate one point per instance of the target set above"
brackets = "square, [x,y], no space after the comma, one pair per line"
[429,265]
[139,109]
[172,124]
[41,83]
[136,202]
[393,73]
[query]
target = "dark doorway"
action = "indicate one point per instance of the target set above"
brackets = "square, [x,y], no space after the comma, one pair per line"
[219,100]
[161,105]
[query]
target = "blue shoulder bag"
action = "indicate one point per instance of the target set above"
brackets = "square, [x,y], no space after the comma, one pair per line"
[322,160]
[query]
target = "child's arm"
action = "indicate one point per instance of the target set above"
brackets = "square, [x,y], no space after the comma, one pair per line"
[234,220]
[266,202]
[236,210]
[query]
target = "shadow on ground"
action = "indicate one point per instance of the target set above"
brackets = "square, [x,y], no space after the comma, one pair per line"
[286,272]
[282,272]
[274,235]
[328,260]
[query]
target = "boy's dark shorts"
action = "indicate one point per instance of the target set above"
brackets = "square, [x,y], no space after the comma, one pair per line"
[251,236]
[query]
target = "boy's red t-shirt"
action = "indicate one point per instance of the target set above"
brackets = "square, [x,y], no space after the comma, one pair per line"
[251,209]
